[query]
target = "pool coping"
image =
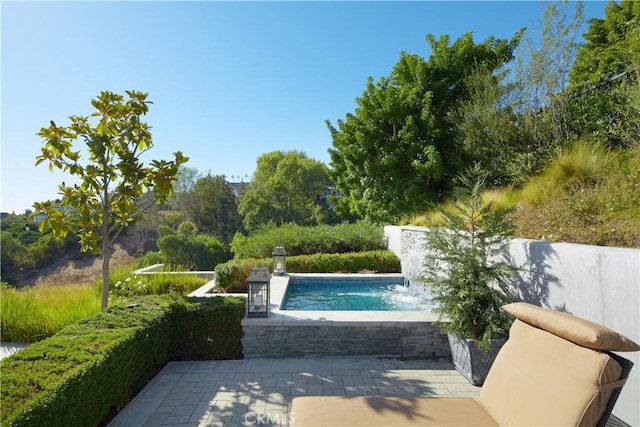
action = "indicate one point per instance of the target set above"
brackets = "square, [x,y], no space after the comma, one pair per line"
[278,317]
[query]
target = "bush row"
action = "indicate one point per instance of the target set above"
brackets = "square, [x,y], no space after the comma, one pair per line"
[232,275]
[299,240]
[191,250]
[87,370]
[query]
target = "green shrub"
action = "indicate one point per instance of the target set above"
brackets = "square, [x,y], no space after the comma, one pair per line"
[165,230]
[45,249]
[298,240]
[199,252]
[188,228]
[150,258]
[12,257]
[232,275]
[80,374]
[25,251]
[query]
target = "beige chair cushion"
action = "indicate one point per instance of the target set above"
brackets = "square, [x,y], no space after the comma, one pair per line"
[539,379]
[332,411]
[572,328]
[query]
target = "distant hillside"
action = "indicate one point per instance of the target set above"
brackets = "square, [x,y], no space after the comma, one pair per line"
[83,270]
[33,258]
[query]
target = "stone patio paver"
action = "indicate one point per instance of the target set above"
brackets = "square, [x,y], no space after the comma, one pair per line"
[257,392]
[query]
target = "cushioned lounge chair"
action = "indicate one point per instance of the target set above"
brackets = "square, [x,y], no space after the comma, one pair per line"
[555,370]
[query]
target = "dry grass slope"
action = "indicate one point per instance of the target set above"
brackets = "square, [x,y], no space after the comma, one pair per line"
[80,272]
[588,195]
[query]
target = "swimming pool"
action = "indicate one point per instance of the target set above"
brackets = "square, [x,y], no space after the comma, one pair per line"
[330,333]
[349,293]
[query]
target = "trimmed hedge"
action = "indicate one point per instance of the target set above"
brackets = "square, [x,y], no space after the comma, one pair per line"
[299,240]
[370,261]
[232,275]
[78,376]
[208,329]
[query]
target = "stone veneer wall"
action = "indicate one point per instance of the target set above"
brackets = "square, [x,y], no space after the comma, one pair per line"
[405,340]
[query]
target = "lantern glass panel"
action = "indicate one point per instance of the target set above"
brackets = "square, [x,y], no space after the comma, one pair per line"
[258,292]
[258,296]
[279,261]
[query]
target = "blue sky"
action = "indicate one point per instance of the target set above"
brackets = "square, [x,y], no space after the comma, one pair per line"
[229,80]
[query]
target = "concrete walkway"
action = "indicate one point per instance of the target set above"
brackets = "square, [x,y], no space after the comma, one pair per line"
[257,392]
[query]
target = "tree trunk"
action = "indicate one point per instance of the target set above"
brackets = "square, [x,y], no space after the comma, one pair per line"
[105,258]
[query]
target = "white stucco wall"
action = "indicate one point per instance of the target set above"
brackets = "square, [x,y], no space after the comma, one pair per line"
[597,283]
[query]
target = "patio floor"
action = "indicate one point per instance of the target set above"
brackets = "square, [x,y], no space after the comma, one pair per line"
[257,392]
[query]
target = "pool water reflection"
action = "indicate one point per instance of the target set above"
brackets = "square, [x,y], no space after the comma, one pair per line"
[368,294]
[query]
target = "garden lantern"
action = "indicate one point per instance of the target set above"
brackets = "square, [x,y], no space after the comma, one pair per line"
[279,261]
[258,292]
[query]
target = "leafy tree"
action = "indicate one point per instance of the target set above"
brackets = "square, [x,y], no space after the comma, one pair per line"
[25,250]
[396,153]
[612,45]
[286,187]
[212,206]
[21,227]
[141,235]
[12,256]
[542,74]
[608,114]
[486,127]
[605,78]
[112,180]
[186,180]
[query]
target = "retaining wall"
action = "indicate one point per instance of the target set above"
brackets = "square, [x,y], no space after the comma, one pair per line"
[407,340]
[597,283]
[159,269]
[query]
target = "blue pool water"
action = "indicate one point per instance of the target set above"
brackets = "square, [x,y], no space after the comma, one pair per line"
[387,294]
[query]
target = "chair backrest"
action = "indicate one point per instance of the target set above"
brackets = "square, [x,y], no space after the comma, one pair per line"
[541,376]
